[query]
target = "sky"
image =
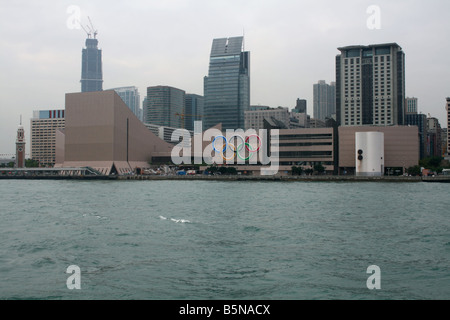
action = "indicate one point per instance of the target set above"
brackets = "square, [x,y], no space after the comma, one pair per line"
[292,44]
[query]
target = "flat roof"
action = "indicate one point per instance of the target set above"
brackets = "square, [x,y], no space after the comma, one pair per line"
[392,44]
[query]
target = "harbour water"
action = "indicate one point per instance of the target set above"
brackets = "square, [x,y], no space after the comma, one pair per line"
[224,239]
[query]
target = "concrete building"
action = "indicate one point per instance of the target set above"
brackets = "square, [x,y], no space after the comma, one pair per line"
[434,147]
[164,133]
[447,107]
[420,121]
[324,100]
[103,133]
[307,147]
[317,123]
[370,85]
[227,86]
[401,147]
[130,95]
[444,142]
[254,119]
[411,106]
[44,125]
[301,106]
[165,106]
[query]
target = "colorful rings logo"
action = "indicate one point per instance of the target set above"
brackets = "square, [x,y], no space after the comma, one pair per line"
[236,151]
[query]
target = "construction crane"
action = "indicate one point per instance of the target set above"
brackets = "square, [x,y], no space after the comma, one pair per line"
[87,32]
[91,29]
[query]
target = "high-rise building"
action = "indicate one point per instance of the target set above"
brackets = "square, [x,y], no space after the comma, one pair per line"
[324,100]
[419,120]
[411,105]
[44,125]
[91,67]
[227,86]
[194,105]
[301,106]
[165,106]
[448,126]
[370,85]
[20,147]
[130,95]
[434,137]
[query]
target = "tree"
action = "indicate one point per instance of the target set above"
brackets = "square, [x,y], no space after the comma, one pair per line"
[297,171]
[432,163]
[414,171]
[319,168]
[31,163]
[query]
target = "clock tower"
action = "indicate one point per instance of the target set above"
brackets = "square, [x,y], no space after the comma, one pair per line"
[20,146]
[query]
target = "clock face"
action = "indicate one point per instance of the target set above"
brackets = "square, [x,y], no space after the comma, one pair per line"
[20,149]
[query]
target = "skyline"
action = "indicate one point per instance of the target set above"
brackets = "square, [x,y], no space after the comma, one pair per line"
[292,47]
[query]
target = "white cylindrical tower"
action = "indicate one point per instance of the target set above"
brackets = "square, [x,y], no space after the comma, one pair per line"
[369,153]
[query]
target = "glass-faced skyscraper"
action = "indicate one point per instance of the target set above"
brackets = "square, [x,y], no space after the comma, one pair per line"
[91,68]
[227,86]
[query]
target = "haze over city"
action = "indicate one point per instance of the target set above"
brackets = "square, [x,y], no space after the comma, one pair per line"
[292,46]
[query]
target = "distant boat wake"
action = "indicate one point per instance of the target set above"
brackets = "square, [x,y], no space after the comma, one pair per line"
[175,220]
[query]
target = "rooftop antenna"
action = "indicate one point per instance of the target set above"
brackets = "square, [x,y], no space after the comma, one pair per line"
[93,29]
[20,119]
[243,39]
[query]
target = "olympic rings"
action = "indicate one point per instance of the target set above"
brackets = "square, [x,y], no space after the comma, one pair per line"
[259,143]
[236,151]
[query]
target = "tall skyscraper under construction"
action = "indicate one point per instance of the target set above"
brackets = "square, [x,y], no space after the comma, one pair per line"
[91,68]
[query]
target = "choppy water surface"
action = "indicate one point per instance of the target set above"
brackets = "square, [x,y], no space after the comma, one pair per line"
[223,240]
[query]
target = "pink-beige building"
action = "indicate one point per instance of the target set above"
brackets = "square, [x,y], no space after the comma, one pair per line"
[103,133]
[401,146]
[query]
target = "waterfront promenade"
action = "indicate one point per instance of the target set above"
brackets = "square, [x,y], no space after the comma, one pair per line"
[199,177]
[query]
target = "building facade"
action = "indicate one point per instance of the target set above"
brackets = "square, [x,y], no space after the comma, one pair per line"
[301,106]
[44,126]
[165,106]
[434,143]
[370,85]
[20,147]
[420,121]
[254,119]
[91,67]
[448,126]
[101,132]
[227,86]
[324,100]
[194,105]
[306,148]
[130,95]
[401,147]
[411,106]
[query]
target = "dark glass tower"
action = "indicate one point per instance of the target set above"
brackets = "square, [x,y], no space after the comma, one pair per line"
[91,69]
[227,86]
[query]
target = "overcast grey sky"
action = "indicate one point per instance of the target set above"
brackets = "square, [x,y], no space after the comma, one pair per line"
[292,45]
